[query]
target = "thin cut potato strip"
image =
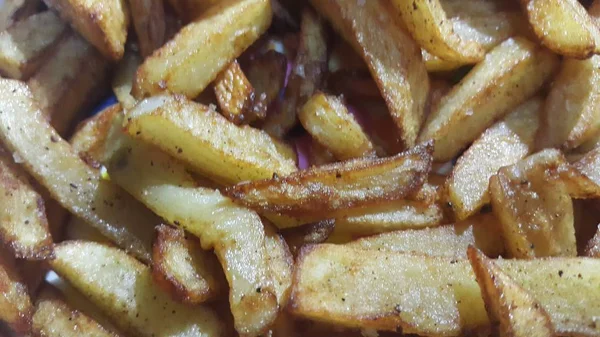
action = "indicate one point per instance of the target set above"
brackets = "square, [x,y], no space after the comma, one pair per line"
[203,48]
[322,190]
[15,305]
[510,74]
[148,18]
[394,59]
[77,187]
[297,237]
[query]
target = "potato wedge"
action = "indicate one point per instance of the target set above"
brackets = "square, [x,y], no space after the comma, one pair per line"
[78,188]
[15,305]
[394,59]
[181,267]
[73,79]
[471,108]
[503,144]
[236,96]
[322,191]
[207,141]
[306,77]
[430,27]
[327,120]
[563,26]
[148,18]
[267,73]
[23,223]
[203,48]
[25,45]
[297,237]
[189,10]
[135,303]
[123,78]
[507,303]
[102,23]
[12,11]
[89,139]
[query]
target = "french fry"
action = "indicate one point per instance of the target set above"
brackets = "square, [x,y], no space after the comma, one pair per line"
[25,45]
[281,265]
[503,144]
[481,97]
[297,237]
[206,141]
[77,187]
[236,96]
[322,191]
[148,18]
[563,26]
[89,138]
[203,48]
[135,303]
[306,77]
[189,10]
[589,165]
[123,78]
[516,311]
[430,27]
[328,121]
[394,59]
[102,23]
[12,11]
[571,116]
[15,305]
[74,78]
[267,74]
[182,268]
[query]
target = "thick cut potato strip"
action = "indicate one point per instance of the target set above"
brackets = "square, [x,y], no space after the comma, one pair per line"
[89,138]
[123,78]
[123,288]
[208,142]
[74,78]
[236,96]
[180,266]
[77,187]
[510,73]
[12,11]
[563,26]
[23,223]
[507,303]
[25,45]
[430,27]
[394,59]
[572,112]
[297,237]
[197,54]
[148,18]
[15,305]
[103,23]
[503,144]
[324,190]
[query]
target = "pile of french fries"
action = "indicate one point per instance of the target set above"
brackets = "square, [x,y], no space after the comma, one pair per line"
[292,168]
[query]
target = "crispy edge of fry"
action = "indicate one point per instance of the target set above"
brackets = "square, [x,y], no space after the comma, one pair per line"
[16,308]
[148,18]
[236,96]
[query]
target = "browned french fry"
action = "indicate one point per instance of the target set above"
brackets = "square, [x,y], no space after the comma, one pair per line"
[89,138]
[12,11]
[15,305]
[148,18]
[267,74]
[236,96]
[297,237]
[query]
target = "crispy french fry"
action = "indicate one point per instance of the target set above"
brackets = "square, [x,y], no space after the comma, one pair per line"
[206,141]
[481,97]
[74,78]
[267,74]
[25,45]
[236,96]
[563,26]
[328,121]
[322,191]
[503,144]
[189,10]
[281,264]
[103,23]
[123,78]
[77,187]
[148,18]
[89,138]
[15,305]
[394,59]
[135,303]
[12,11]
[203,48]
[297,237]
[181,267]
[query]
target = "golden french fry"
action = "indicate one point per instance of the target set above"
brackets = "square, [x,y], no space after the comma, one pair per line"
[503,144]
[394,59]
[203,48]
[123,79]
[15,305]
[148,18]
[470,107]
[236,96]
[89,138]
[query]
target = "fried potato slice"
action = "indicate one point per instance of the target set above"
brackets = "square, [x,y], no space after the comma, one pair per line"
[203,48]
[430,27]
[563,26]
[470,107]
[267,73]
[182,268]
[236,96]
[102,23]
[25,45]
[123,288]
[123,78]
[297,237]
[148,18]
[77,187]
[15,305]
[503,144]
[89,138]
[12,11]
[571,113]
[394,59]
[322,191]
[73,79]
[507,304]
[328,121]
[306,77]
[207,142]
[23,223]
